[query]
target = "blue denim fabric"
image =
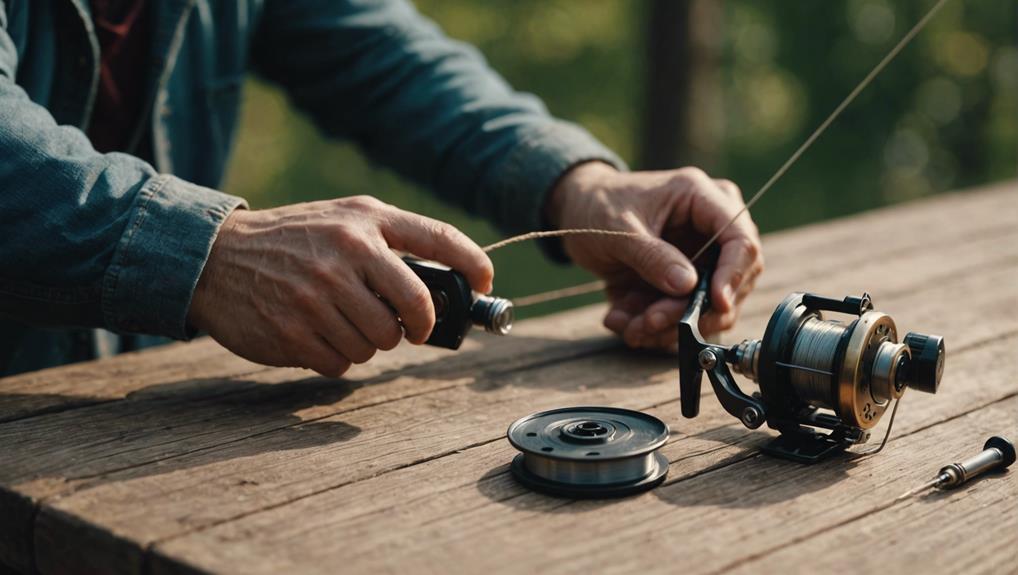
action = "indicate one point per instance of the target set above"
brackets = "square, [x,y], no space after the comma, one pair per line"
[112,241]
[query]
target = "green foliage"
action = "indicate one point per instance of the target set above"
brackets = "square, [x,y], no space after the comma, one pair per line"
[942,116]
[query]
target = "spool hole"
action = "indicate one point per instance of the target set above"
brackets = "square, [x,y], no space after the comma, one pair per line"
[592,453]
[531,434]
[547,449]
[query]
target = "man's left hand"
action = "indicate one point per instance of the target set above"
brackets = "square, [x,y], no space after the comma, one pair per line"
[649,278]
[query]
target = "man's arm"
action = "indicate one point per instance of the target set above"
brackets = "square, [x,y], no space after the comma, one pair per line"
[430,107]
[92,239]
[425,105]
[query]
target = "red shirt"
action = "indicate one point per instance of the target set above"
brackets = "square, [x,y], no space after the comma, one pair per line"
[124,31]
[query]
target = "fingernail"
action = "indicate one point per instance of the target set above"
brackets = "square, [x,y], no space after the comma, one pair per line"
[678,278]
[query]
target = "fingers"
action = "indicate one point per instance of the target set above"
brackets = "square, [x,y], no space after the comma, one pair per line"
[660,318]
[659,263]
[391,278]
[643,318]
[740,261]
[318,355]
[626,304]
[716,321]
[344,337]
[715,204]
[373,319]
[440,242]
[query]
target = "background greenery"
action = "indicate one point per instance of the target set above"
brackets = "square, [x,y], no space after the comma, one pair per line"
[941,117]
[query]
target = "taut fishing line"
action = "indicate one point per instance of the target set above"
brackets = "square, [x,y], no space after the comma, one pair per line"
[596,286]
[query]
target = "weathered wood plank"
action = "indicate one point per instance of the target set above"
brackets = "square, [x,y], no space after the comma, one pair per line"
[801,260]
[82,384]
[468,499]
[400,433]
[161,422]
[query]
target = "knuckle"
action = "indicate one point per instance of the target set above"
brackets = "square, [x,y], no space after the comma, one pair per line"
[352,239]
[730,188]
[692,173]
[304,299]
[363,202]
[418,299]
[321,272]
[751,247]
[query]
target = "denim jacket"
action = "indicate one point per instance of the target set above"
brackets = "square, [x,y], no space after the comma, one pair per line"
[118,242]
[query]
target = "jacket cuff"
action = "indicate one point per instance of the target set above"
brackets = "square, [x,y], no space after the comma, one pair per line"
[523,181]
[160,256]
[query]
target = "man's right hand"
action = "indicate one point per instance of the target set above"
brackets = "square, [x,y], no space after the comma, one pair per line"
[299,285]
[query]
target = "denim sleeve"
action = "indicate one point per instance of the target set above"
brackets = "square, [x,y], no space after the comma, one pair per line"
[381,74]
[90,239]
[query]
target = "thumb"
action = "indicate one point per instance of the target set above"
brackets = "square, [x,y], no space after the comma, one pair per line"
[659,263]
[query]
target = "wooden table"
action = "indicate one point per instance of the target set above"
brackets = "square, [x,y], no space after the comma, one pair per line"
[188,458]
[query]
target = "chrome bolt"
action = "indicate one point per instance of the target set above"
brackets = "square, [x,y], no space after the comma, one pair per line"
[751,417]
[707,359]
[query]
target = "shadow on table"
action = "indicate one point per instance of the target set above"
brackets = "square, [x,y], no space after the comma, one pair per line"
[597,363]
[167,427]
[741,479]
[158,430]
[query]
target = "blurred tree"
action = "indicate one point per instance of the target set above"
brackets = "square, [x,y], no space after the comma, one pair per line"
[681,115]
[760,75]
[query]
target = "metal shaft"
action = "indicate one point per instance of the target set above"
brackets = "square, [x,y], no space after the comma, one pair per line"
[997,453]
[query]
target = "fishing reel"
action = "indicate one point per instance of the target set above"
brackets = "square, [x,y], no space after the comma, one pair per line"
[814,373]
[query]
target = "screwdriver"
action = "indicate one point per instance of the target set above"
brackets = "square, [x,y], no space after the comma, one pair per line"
[997,453]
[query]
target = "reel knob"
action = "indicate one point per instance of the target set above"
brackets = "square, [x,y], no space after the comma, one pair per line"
[927,365]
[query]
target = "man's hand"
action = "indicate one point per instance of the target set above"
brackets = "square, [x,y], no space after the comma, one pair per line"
[299,285]
[649,278]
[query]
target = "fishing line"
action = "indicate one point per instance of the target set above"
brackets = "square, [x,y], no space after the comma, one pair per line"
[887,433]
[595,286]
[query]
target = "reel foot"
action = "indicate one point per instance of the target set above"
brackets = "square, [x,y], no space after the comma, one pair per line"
[804,446]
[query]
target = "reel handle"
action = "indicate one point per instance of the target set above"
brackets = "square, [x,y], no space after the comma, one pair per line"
[697,356]
[690,345]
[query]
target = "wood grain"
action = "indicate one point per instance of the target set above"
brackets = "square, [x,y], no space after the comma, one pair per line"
[468,500]
[223,465]
[115,507]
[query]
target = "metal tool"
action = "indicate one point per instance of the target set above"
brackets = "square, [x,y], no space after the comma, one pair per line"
[589,452]
[457,307]
[813,372]
[997,455]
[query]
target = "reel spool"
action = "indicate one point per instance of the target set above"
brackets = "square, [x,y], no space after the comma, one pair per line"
[589,452]
[813,372]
